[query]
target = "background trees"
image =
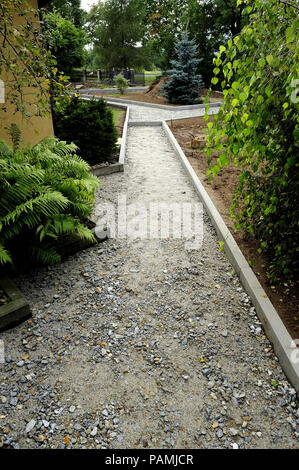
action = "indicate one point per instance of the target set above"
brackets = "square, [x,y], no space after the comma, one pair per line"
[70,9]
[141,33]
[116,28]
[212,23]
[65,41]
[164,21]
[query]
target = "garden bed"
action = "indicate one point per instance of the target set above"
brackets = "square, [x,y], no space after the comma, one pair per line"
[285,295]
[153,94]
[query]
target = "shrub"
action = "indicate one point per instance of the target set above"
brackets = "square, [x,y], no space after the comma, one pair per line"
[46,191]
[90,125]
[259,119]
[121,83]
[184,84]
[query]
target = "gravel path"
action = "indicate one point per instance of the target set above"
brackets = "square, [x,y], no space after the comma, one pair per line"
[142,343]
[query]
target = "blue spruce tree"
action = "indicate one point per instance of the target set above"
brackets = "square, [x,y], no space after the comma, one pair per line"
[184,84]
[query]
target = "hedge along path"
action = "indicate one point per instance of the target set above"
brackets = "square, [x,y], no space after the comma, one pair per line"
[163,348]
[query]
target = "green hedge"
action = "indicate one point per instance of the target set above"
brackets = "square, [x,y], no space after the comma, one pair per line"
[90,125]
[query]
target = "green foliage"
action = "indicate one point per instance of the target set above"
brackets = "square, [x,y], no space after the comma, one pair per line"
[121,83]
[46,191]
[65,41]
[69,9]
[165,20]
[259,120]
[184,84]
[89,124]
[116,27]
[210,24]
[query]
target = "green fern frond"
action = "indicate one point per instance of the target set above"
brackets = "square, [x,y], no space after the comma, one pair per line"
[85,233]
[45,193]
[4,256]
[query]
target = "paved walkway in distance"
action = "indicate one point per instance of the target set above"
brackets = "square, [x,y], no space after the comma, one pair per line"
[140,343]
[144,113]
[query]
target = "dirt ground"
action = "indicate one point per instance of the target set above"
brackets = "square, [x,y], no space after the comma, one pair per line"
[154,94]
[285,295]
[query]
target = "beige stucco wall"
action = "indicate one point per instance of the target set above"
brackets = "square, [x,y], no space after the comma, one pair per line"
[33,129]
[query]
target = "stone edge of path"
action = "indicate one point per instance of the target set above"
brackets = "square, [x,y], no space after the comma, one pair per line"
[115,167]
[17,309]
[160,106]
[275,330]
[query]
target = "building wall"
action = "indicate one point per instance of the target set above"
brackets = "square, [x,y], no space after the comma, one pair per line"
[33,129]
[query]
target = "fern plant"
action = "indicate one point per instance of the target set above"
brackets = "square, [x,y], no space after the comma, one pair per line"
[46,192]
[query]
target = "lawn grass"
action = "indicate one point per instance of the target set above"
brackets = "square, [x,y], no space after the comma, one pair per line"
[116,113]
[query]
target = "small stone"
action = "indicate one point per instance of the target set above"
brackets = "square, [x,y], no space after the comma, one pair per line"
[233,432]
[72,409]
[30,426]
[94,431]
[235,445]
[235,402]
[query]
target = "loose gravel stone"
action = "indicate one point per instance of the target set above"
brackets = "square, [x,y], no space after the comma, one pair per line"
[127,348]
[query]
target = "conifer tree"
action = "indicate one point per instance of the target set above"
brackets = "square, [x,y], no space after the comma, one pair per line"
[184,84]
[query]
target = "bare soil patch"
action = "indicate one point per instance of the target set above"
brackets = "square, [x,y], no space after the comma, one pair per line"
[285,295]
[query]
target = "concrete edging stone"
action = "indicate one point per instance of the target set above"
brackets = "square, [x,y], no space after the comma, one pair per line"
[275,330]
[17,309]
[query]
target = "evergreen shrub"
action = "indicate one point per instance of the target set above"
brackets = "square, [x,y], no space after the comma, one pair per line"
[90,125]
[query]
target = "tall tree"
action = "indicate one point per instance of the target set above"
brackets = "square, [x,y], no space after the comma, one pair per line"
[164,20]
[183,86]
[70,9]
[65,41]
[116,28]
[212,23]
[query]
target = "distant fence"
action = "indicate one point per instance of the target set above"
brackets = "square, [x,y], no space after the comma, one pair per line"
[107,78]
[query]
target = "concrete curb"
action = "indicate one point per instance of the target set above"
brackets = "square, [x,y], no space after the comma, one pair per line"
[145,123]
[275,330]
[106,170]
[109,90]
[160,106]
[122,152]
